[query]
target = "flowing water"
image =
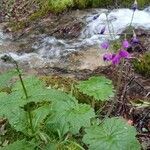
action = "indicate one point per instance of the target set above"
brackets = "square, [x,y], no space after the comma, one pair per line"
[49,49]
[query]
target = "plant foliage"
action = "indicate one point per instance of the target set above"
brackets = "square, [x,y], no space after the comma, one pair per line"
[100,88]
[19,145]
[112,134]
[142,65]
[49,117]
[71,116]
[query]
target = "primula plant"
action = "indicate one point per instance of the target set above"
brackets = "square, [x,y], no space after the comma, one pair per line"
[122,55]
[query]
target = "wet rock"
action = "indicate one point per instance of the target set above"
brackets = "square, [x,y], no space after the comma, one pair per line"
[87,59]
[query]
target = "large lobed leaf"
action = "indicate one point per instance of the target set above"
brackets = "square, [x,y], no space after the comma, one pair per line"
[112,134]
[19,145]
[100,88]
[71,116]
[10,108]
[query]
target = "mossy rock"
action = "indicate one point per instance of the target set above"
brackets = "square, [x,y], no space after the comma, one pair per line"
[142,65]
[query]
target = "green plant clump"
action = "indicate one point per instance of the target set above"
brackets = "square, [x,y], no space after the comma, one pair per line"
[142,65]
[48,119]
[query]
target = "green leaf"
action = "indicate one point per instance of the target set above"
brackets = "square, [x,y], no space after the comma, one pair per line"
[19,145]
[112,134]
[31,84]
[37,92]
[6,77]
[10,108]
[11,105]
[100,88]
[39,115]
[71,116]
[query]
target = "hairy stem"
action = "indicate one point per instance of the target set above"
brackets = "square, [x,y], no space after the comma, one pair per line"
[117,89]
[132,19]
[21,80]
[26,95]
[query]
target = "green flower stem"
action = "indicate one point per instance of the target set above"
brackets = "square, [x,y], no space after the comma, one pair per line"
[111,32]
[26,95]
[21,80]
[130,25]
[132,19]
[117,89]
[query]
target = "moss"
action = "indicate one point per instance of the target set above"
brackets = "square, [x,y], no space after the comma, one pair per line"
[80,3]
[59,5]
[68,85]
[39,14]
[58,82]
[142,65]
[15,26]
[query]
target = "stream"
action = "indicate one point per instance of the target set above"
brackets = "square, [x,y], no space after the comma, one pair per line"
[46,50]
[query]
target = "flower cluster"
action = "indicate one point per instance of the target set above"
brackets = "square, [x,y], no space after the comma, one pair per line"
[116,58]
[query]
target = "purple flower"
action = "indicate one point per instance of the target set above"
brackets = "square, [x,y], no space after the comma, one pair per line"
[134,40]
[105,45]
[126,44]
[116,59]
[135,5]
[107,57]
[102,30]
[124,54]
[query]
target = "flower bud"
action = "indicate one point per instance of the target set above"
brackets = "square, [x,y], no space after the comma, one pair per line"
[105,45]
[135,5]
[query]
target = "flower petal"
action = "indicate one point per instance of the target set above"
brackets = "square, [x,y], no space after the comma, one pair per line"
[124,54]
[126,44]
[107,57]
[116,59]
